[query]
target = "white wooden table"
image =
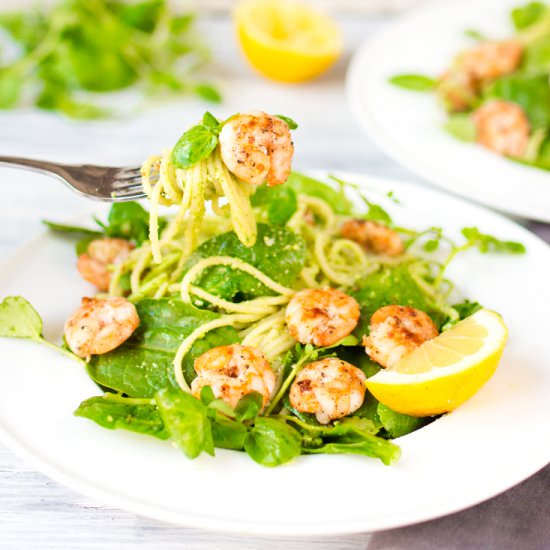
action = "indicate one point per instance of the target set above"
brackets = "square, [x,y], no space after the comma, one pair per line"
[36,512]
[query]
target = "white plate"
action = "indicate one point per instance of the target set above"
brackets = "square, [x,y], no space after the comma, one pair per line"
[408,125]
[492,442]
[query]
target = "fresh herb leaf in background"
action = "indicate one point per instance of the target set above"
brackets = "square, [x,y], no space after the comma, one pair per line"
[474,34]
[292,124]
[488,243]
[524,16]
[414,82]
[461,126]
[86,47]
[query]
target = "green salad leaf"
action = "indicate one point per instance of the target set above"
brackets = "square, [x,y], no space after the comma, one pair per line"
[78,47]
[302,184]
[397,424]
[128,220]
[143,364]
[279,203]
[195,144]
[488,243]
[272,442]
[115,412]
[526,15]
[186,420]
[72,229]
[18,319]
[292,124]
[278,252]
[414,82]
[461,126]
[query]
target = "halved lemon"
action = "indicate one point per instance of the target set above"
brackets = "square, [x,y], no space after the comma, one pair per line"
[287,40]
[444,372]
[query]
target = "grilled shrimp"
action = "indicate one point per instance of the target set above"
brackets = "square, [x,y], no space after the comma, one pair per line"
[257,147]
[321,316]
[330,389]
[101,253]
[491,60]
[373,237]
[395,331]
[99,326]
[502,127]
[232,372]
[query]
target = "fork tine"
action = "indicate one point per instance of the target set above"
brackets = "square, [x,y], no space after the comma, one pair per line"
[122,183]
[129,171]
[120,196]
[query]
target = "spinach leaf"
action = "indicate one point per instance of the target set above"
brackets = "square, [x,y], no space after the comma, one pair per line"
[278,252]
[305,185]
[397,424]
[292,124]
[194,145]
[115,412]
[18,319]
[467,308]
[524,16]
[187,422]
[387,286]
[461,126]
[128,220]
[530,92]
[414,82]
[272,442]
[143,364]
[536,57]
[279,203]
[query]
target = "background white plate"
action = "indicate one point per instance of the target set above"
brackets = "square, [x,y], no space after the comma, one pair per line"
[492,442]
[408,125]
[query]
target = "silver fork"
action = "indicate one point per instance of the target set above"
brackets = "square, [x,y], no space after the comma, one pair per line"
[102,183]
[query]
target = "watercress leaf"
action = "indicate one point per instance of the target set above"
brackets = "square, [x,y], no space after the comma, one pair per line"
[279,203]
[249,406]
[128,220]
[18,319]
[488,243]
[208,93]
[207,395]
[305,185]
[524,16]
[415,82]
[467,308]
[376,213]
[431,245]
[11,85]
[220,406]
[278,252]
[72,229]
[461,126]
[292,124]
[143,364]
[115,412]
[194,145]
[228,433]
[187,422]
[375,447]
[397,424]
[272,442]
[475,35]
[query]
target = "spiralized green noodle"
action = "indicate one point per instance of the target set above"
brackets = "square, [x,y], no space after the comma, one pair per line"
[208,180]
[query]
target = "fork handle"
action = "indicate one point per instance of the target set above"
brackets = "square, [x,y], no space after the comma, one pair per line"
[33,164]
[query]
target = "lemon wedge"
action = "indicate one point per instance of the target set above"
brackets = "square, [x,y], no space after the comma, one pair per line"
[443,372]
[286,40]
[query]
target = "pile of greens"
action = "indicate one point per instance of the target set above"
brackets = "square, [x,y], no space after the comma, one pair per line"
[85,46]
[137,380]
[528,86]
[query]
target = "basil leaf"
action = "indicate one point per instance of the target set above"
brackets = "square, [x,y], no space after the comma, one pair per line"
[128,220]
[279,203]
[208,93]
[186,420]
[210,121]
[414,82]
[194,145]
[272,442]
[292,124]
[18,319]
